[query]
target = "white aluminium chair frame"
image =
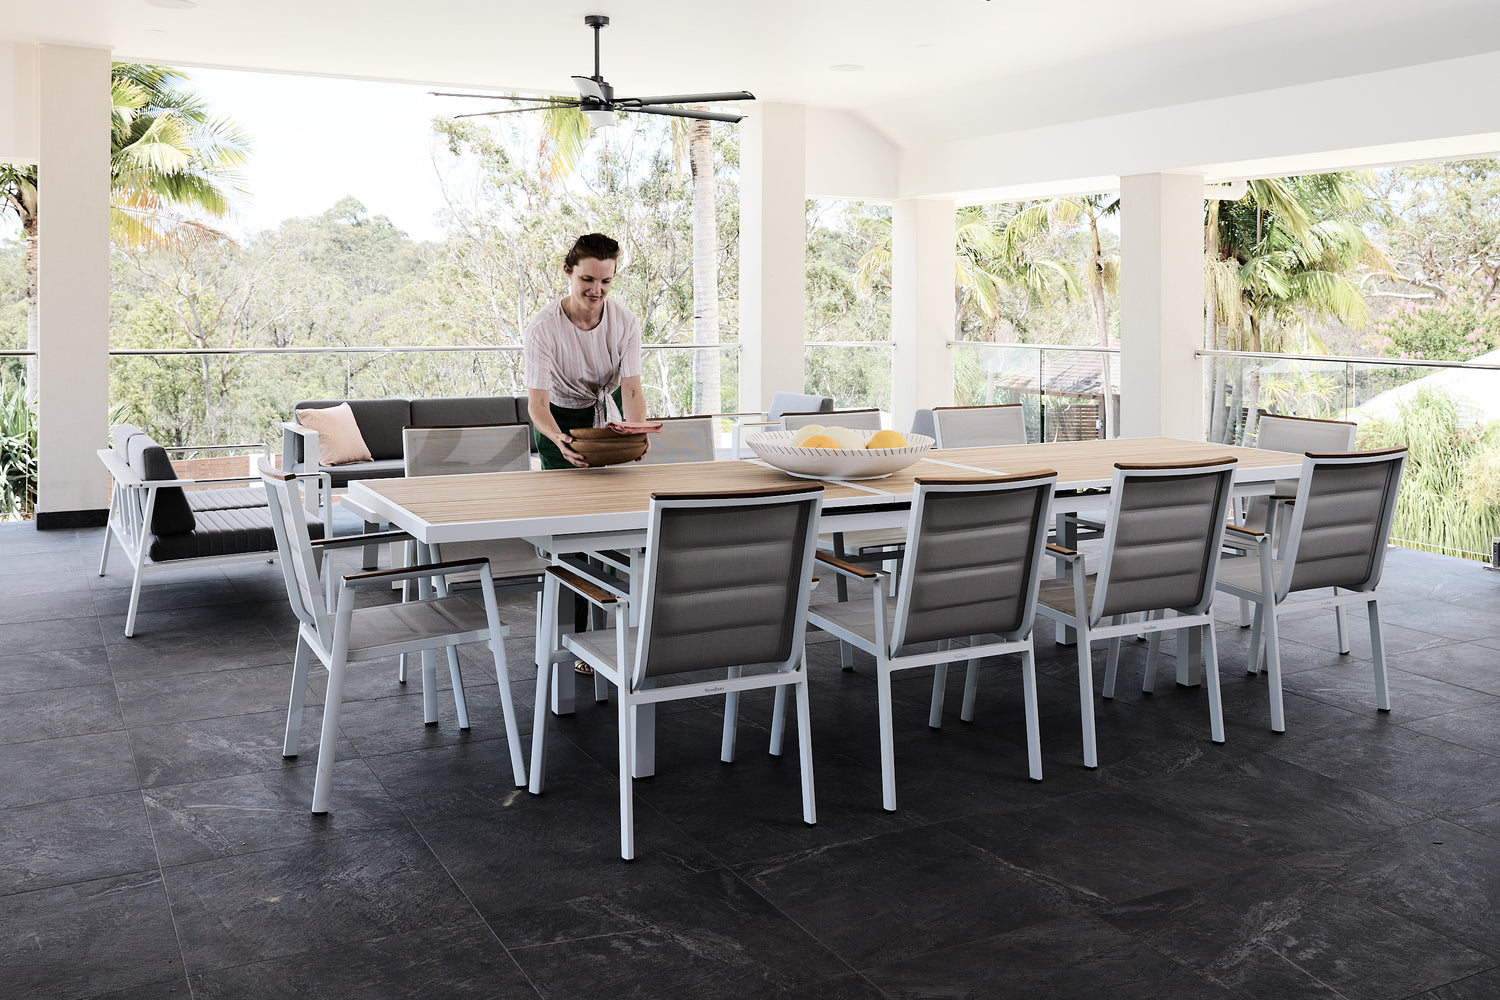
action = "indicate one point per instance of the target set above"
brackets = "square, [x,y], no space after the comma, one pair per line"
[890,626]
[979,426]
[1278,575]
[1086,612]
[623,655]
[348,635]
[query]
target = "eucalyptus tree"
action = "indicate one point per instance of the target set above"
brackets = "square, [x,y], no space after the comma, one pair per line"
[168,154]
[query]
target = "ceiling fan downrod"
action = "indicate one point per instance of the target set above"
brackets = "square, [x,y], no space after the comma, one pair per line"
[596,21]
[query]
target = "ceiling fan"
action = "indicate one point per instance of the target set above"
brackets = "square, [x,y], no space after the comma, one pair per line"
[596,98]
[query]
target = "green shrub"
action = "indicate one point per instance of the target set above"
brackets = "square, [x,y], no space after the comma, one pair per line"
[17,451]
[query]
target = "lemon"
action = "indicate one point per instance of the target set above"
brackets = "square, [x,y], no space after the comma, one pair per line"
[805,432]
[886,439]
[819,441]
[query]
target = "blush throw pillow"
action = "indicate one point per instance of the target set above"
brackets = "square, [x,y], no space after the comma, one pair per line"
[339,439]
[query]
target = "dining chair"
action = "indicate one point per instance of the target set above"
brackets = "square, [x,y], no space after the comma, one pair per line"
[864,419]
[770,418]
[979,426]
[1336,535]
[723,609]
[1298,435]
[973,567]
[1161,554]
[466,450]
[338,633]
[682,439]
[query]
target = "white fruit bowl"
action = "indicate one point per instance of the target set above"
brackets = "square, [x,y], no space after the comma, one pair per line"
[776,448]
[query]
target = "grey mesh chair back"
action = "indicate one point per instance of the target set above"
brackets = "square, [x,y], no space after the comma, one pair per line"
[682,439]
[1341,521]
[859,420]
[1300,435]
[449,451]
[1161,540]
[973,558]
[979,426]
[797,402]
[726,582]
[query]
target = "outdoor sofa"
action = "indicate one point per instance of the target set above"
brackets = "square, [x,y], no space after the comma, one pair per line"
[160,520]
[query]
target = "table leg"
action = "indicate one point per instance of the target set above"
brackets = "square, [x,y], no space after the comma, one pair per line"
[1189,657]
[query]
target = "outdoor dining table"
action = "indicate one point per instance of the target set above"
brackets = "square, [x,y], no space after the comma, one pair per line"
[592,510]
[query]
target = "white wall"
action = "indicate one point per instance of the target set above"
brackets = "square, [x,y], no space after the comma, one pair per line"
[18,112]
[847,159]
[923,234]
[73,284]
[1419,112]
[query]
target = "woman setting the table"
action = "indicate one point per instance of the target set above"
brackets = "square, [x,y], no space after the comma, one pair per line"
[583,356]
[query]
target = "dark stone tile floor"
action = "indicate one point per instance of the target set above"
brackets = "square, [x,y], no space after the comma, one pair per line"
[158,845]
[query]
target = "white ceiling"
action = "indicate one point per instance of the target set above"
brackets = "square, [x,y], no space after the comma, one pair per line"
[931,70]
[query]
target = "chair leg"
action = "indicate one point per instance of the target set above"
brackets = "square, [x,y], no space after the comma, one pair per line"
[1086,697]
[299,695]
[846,656]
[1153,656]
[460,704]
[1211,679]
[939,691]
[1266,613]
[1244,613]
[429,687]
[508,711]
[627,759]
[1341,624]
[731,720]
[1112,663]
[1377,651]
[804,748]
[1033,727]
[778,720]
[109,534]
[135,596]
[1257,639]
[544,670]
[971,684]
[323,782]
[887,737]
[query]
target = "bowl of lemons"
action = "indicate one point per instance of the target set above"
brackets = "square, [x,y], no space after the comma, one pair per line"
[819,452]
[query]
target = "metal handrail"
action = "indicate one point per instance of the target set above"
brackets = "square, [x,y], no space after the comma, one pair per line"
[1343,359]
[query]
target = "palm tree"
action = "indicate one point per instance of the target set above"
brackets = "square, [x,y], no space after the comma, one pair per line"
[1103,270]
[1280,256]
[166,153]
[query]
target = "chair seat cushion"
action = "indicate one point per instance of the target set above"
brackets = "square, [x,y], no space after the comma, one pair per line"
[228,498]
[223,532]
[171,515]
[412,621]
[381,468]
[1058,594]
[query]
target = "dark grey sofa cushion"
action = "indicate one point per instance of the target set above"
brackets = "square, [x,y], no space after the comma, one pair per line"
[463,411]
[171,515]
[380,422]
[222,533]
[226,498]
[385,468]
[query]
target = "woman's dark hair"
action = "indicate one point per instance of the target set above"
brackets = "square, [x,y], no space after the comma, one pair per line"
[595,245]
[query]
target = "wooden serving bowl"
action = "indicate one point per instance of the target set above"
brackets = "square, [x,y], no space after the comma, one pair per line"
[601,446]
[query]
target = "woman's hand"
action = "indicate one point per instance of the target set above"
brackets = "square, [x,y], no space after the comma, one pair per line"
[563,442]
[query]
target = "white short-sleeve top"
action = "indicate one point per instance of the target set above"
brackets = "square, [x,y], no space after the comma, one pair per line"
[581,368]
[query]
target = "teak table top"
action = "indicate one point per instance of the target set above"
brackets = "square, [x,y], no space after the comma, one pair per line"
[617,498]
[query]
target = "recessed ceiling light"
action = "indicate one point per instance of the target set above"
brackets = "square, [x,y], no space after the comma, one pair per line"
[847,68]
[173,4]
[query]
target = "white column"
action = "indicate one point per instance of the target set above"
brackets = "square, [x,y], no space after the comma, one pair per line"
[73,283]
[923,237]
[773,248]
[1161,305]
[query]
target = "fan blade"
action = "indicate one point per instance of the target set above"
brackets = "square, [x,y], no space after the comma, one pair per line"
[501,97]
[712,116]
[734,95]
[512,111]
[589,87]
